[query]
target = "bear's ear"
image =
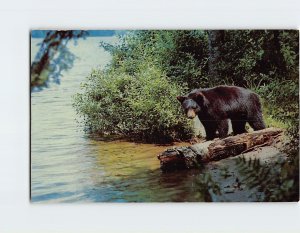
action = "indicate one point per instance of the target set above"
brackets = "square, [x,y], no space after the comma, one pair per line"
[181,98]
[199,97]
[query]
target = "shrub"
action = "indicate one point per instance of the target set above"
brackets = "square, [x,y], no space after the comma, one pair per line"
[282,103]
[140,106]
[181,54]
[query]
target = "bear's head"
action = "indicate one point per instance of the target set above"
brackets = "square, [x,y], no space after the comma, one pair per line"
[193,103]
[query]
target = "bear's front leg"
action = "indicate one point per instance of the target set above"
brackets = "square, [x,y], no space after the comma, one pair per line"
[223,128]
[210,127]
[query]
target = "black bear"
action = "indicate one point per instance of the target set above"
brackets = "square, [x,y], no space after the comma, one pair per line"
[214,106]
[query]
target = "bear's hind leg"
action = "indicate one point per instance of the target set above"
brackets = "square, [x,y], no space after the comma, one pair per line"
[223,128]
[257,123]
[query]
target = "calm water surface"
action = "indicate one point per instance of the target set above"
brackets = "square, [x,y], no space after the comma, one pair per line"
[68,166]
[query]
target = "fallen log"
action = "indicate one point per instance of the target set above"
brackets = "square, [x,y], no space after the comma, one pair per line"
[198,154]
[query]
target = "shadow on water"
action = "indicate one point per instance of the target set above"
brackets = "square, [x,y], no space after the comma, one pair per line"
[148,186]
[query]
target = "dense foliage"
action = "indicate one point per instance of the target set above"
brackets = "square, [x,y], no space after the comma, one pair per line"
[182,55]
[263,60]
[140,106]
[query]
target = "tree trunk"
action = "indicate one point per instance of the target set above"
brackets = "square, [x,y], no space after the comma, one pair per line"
[201,153]
[215,38]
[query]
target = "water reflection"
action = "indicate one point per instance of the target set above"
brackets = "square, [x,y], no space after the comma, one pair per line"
[68,166]
[129,172]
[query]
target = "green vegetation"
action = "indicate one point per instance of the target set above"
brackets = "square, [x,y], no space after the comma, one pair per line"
[135,95]
[142,106]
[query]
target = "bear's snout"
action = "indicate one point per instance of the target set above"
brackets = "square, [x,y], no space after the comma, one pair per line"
[191,114]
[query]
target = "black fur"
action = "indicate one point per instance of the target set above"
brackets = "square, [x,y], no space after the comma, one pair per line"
[214,106]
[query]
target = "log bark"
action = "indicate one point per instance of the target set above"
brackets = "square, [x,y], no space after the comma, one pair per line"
[198,154]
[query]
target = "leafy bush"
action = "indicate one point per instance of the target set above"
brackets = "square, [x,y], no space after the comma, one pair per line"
[136,95]
[181,54]
[140,107]
[282,102]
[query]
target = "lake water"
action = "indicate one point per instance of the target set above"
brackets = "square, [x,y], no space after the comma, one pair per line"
[69,166]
